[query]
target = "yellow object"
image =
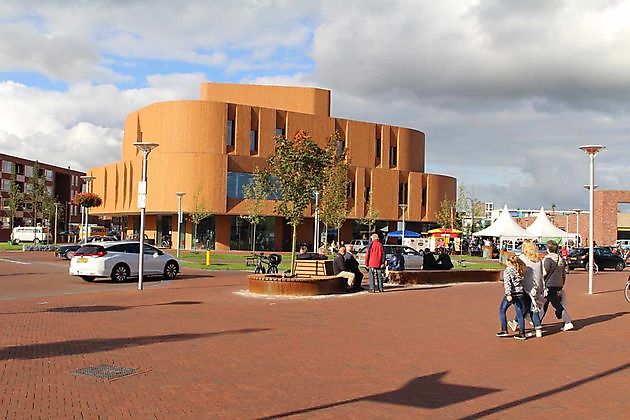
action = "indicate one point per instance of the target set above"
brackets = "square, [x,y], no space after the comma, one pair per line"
[208,257]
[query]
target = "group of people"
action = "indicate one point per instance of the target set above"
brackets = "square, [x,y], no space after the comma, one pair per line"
[531,283]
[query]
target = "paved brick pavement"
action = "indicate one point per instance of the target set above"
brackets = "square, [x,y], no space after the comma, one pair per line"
[205,351]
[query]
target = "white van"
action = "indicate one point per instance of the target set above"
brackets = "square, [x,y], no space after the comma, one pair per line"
[35,234]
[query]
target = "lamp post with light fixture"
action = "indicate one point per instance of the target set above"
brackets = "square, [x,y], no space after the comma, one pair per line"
[180,219]
[591,150]
[142,203]
[403,207]
[577,225]
[85,213]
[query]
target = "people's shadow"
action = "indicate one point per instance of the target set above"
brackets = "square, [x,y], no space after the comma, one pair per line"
[585,322]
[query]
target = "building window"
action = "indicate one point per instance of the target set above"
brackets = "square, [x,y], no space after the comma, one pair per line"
[350,191]
[49,174]
[236,181]
[279,132]
[6,185]
[341,147]
[28,171]
[7,167]
[253,142]
[424,196]
[19,169]
[377,150]
[28,187]
[393,156]
[229,135]
[403,193]
[367,194]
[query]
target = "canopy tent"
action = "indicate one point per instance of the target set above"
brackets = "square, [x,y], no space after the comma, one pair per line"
[505,228]
[544,229]
[407,234]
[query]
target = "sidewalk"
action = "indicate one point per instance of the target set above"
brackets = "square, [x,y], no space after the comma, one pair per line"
[203,351]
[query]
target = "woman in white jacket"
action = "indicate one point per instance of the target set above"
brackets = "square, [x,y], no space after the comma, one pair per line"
[533,283]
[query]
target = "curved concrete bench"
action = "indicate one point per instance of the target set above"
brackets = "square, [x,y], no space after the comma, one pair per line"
[444,276]
[275,284]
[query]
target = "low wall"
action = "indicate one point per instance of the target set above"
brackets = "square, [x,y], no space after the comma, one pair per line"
[274,284]
[444,276]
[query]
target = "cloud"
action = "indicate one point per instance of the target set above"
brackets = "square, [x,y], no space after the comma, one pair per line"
[65,128]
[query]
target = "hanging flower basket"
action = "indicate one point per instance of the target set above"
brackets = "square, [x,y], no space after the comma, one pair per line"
[87,200]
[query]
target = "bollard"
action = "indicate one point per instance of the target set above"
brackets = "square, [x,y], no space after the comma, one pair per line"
[207,257]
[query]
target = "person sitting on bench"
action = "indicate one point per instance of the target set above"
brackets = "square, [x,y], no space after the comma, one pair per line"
[444,260]
[340,267]
[429,263]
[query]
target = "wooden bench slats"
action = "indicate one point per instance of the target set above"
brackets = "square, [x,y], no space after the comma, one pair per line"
[312,268]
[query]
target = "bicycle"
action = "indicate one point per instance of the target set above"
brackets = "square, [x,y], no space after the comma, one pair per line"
[265,264]
[626,290]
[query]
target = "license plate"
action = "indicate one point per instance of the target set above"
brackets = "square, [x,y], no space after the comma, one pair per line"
[573,258]
[82,260]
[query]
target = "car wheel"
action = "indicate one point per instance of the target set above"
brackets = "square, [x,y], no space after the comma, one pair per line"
[620,266]
[120,273]
[170,270]
[88,278]
[16,242]
[35,241]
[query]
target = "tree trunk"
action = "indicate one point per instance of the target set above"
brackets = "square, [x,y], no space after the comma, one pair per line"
[293,241]
[254,240]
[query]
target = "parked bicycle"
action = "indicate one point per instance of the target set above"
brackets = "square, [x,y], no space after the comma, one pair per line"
[166,241]
[266,264]
[627,290]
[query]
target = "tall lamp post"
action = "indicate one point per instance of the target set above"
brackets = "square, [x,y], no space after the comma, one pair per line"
[577,225]
[85,213]
[142,203]
[180,219]
[403,207]
[316,229]
[591,150]
[56,213]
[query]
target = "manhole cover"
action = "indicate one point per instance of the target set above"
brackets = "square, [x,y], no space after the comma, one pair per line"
[105,371]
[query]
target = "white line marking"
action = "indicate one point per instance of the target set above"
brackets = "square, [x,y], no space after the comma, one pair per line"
[15,262]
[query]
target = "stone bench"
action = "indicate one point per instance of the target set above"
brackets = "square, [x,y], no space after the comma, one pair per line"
[444,276]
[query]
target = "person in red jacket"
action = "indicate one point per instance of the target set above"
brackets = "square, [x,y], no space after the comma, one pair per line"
[375,262]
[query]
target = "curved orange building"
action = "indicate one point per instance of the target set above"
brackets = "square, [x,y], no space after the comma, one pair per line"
[208,148]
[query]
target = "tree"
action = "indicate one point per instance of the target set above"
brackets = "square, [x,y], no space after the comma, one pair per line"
[443,216]
[298,165]
[197,215]
[371,214]
[334,197]
[257,191]
[35,192]
[467,206]
[15,200]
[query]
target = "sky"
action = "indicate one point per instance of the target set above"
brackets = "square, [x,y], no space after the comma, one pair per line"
[505,90]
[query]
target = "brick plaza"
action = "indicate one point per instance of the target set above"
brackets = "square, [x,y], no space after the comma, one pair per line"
[202,348]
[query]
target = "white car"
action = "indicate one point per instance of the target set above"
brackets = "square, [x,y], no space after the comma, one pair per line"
[413,258]
[119,261]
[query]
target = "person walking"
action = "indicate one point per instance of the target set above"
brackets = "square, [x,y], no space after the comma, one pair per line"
[375,262]
[514,295]
[533,285]
[554,277]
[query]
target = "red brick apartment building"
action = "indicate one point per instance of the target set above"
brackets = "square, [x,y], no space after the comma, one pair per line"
[61,182]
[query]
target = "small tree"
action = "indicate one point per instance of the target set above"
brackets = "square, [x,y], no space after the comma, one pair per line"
[257,191]
[35,193]
[467,206]
[298,166]
[443,216]
[371,214]
[334,198]
[197,215]
[15,200]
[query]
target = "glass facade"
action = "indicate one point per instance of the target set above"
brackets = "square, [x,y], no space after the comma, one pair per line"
[235,183]
[7,167]
[241,233]
[164,225]
[205,233]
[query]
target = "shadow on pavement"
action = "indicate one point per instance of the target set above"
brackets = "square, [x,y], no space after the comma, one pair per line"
[108,308]
[581,323]
[423,392]
[507,406]
[95,345]
[412,288]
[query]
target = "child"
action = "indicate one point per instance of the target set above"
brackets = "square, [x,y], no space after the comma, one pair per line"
[514,295]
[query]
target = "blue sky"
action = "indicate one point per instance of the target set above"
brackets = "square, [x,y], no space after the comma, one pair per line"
[504,90]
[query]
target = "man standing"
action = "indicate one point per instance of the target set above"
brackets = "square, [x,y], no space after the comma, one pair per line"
[375,262]
[339,267]
[554,277]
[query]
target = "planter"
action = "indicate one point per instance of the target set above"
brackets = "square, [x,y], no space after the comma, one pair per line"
[275,284]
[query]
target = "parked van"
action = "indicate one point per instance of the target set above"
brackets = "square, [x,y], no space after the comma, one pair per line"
[34,234]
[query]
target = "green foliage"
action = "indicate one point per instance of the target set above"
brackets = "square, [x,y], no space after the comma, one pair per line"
[443,216]
[15,200]
[468,206]
[334,200]
[197,214]
[257,192]
[371,214]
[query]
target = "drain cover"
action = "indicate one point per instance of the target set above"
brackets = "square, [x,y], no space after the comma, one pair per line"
[105,371]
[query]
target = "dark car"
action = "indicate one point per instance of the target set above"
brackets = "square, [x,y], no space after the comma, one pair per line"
[604,258]
[66,252]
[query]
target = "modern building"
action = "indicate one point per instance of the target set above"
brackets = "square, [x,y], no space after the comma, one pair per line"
[62,183]
[208,148]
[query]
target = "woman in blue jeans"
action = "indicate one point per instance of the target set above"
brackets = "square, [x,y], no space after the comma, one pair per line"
[514,295]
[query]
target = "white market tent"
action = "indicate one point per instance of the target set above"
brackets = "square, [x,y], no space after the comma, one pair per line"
[505,228]
[544,229]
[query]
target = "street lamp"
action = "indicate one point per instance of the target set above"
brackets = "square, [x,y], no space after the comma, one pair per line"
[56,212]
[85,213]
[180,219]
[316,229]
[142,202]
[577,224]
[591,150]
[403,207]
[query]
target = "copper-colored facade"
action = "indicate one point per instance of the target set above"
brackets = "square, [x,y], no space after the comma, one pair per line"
[196,153]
